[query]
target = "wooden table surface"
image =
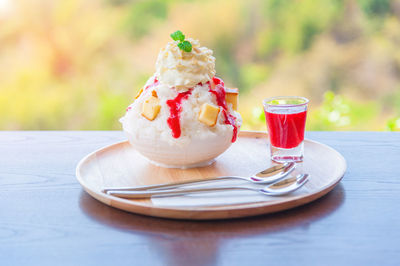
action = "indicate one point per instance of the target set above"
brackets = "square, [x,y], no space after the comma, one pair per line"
[47,219]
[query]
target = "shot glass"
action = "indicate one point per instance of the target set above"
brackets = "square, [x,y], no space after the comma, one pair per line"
[286,120]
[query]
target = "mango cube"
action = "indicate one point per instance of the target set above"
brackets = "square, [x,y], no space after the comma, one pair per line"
[139,93]
[209,114]
[151,107]
[232,97]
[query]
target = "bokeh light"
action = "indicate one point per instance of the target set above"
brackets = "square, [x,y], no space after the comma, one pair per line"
[77,64]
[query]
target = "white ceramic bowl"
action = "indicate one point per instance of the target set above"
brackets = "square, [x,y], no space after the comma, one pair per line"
[197,153]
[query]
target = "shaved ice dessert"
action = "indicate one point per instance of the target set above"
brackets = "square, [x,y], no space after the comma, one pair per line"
[184,116]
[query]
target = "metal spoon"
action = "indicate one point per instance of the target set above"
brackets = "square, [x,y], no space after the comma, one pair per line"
[276,189]
[266,176]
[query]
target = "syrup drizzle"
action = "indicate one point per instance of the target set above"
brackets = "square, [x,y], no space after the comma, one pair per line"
[155,83]
[219,92]
[175,108]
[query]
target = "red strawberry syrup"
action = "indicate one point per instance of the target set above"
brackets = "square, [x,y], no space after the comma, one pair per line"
[286,130]
[175,109]
[219,92]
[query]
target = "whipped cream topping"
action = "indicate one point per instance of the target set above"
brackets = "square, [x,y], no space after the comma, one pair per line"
[183,70]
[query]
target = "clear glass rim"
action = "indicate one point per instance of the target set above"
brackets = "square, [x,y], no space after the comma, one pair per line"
[303,99]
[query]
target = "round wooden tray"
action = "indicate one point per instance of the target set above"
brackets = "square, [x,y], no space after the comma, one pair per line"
[120,165]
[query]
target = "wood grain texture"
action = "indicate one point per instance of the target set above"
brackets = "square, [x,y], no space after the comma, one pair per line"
[47,219]
[119,165]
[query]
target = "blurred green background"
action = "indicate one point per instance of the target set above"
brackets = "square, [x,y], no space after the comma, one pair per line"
[77,64]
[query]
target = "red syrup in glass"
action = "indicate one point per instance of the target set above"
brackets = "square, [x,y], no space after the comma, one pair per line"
[286,130]
[175,108]
[219,92]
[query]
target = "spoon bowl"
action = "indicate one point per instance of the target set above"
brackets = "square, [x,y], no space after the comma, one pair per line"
[286,186]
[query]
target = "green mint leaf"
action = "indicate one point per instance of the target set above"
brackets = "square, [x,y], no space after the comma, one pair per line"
[177,36]
[185,46]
